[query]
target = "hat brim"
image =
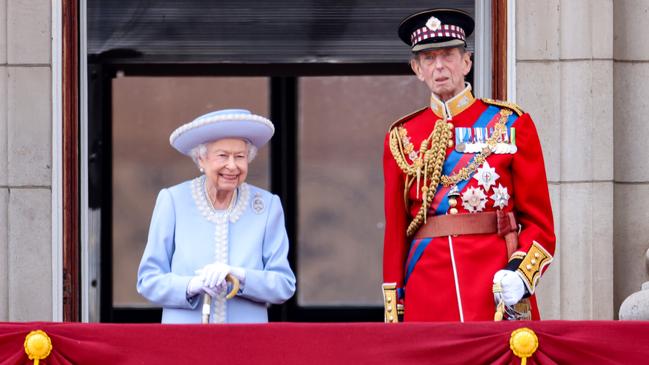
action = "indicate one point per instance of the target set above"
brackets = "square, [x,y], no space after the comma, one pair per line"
[213,127]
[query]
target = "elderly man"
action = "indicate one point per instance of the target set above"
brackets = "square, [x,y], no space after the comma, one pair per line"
[468,216]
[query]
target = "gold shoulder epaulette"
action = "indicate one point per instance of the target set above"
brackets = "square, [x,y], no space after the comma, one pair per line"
[406,117]
[505,104]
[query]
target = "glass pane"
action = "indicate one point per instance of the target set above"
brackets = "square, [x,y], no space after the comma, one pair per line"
[342,126]
[145,112]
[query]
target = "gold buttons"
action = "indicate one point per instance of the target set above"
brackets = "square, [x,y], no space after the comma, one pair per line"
[537,255]
[533,261]
[529,267]
[452,202]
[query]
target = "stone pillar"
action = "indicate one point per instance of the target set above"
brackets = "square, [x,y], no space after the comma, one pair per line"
[4,192]
[631,72]
[26,193]
[564,79]
[636,306]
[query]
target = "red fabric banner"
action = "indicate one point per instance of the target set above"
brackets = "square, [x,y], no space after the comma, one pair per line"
[560,342]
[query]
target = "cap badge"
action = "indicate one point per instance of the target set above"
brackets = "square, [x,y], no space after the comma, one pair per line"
[433,24]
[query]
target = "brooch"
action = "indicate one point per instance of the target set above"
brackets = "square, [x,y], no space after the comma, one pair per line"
[258,204]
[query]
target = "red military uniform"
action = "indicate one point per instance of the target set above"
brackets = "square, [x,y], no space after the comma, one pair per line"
[450,278]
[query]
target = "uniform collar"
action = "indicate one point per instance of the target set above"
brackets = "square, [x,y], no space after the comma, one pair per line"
[453,106]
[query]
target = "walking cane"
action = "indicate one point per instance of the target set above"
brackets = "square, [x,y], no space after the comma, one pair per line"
[207,300]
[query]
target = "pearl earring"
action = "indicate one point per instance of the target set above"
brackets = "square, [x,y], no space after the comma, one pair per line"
[202,170]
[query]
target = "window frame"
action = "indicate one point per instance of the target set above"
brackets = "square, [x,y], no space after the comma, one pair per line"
[283,81]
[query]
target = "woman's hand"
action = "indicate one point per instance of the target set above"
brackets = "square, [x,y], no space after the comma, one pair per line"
[196,287]
[214,274]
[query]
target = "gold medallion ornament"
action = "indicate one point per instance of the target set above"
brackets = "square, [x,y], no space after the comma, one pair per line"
[427,163]
[523,343]
[38,345]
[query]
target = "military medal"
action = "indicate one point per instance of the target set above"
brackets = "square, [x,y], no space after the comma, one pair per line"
[500,197]
[474,140]
[474,200]
[486,176]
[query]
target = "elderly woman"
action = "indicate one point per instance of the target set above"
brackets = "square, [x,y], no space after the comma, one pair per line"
[216,225]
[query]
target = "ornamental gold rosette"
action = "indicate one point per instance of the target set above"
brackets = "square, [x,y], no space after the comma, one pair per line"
[523,343]
[38,345]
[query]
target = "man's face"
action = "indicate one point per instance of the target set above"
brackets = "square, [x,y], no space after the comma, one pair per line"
[443,70]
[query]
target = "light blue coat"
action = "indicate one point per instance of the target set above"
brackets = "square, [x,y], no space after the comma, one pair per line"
[182,239]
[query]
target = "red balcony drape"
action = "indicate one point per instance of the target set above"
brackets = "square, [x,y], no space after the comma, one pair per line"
[560,342]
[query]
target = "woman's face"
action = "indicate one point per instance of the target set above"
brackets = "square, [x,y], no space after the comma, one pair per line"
[226,163]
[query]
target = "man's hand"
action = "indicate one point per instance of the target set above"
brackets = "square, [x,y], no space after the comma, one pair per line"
[512,285]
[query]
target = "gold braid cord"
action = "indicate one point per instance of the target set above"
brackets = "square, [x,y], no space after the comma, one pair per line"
[505,104]
[429,163]
[430,160]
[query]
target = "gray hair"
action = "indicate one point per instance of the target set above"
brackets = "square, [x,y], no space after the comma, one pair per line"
[200,151]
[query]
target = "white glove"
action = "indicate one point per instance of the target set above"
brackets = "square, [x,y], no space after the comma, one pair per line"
[195,286]
[214,274]
[512,285]
[215,291]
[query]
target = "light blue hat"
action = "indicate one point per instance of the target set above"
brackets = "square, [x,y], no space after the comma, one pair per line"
[226,123]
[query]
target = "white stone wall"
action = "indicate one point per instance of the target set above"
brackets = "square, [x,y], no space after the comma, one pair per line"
[631,189]
[564,79]
[25,160]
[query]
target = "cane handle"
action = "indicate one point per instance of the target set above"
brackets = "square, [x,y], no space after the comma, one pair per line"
[235,286]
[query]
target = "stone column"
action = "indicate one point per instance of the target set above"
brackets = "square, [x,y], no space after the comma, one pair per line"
[631,75]
[564,79]
[636,306]
[4,192]
[28,140]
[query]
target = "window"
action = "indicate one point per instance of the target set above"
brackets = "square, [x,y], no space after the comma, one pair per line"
[332,92]
[342,124]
